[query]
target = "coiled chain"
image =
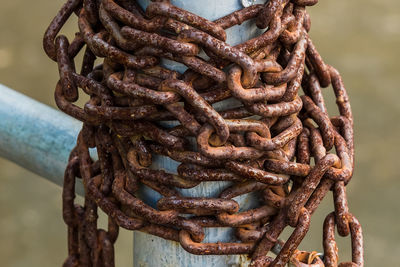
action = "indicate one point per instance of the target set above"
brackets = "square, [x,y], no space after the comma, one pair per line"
[269,141]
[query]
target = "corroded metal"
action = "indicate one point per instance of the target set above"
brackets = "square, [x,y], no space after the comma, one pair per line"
[141,108]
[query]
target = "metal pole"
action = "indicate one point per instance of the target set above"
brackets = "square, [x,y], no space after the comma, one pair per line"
[35,136]
[151,251]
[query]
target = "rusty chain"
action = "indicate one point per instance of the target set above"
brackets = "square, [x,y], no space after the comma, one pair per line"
[281,145]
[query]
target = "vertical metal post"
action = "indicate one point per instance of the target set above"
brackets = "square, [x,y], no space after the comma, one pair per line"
[152,251]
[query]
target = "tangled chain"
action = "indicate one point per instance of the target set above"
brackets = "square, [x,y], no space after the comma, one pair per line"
[272,142]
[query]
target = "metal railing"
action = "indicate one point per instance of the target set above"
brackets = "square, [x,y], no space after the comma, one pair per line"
[35,136]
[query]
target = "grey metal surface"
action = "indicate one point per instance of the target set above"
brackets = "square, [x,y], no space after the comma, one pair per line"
[35,136]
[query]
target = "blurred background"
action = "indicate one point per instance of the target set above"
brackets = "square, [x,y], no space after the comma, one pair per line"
[360,38]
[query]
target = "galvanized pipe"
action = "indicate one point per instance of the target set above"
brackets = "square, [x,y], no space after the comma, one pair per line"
[152,251]
[35,136]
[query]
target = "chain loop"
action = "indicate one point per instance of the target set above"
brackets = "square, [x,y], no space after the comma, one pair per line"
[238,115]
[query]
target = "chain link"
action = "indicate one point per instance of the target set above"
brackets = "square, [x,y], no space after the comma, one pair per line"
[276,143]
